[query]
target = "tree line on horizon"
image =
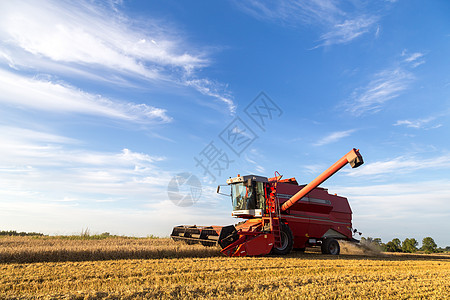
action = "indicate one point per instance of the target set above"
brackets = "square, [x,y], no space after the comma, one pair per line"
[15,233]
[408,245]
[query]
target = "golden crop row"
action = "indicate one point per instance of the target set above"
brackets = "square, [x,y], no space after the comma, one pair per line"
[298,275]
[50,249]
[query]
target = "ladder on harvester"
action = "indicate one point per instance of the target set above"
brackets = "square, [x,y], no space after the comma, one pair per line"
[274,212]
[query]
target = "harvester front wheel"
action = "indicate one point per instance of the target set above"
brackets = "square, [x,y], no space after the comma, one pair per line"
[330,246]
[287,241]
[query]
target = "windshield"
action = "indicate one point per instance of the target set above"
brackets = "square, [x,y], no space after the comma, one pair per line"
[242,196]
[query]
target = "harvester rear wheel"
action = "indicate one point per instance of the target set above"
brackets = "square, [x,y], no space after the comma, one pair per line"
[330,246]
[287,241]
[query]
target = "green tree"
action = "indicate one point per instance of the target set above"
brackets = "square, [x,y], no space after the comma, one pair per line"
[409,245]
[397,243]
[394,246]
[428,245]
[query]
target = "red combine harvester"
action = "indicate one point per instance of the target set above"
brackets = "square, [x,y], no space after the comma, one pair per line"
[281,215]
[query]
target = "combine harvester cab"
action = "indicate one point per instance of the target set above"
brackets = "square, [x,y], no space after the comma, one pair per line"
[280,216]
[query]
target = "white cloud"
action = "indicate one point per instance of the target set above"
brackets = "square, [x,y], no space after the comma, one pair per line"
[254,163]
[349,30]
[334,137]
[48,167]
[418,123]
[292,12]
[340,25]
[315,169]
[87,34]
[21,152]
[94,41]
[45,95]
[213,89]
[260,169]
[377,32]
[9,133]
[415,59]
[255,168]
[386,85]
[49,183]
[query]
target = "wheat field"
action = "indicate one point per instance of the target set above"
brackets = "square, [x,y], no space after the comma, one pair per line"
[17,249]
[124,268]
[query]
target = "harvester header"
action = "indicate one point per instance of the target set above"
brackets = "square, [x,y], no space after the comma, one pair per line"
[281,215]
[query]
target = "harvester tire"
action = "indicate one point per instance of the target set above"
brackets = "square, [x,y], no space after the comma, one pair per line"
[287,241]
[330,246]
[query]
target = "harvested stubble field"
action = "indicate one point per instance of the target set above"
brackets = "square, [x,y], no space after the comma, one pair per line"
[127,268]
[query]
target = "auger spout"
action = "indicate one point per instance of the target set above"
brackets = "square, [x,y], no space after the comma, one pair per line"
[353,158]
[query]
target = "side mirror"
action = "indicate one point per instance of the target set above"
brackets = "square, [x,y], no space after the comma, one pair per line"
[218,190]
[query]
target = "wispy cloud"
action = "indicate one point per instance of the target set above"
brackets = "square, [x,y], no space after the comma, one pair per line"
[384,86]
[414,59]
[255,161]
[24,146]
[255,166]
[214,89]
[45,95]
[334,137]
[83,33]
[340,25]
[48,164]
[9,133]
[315,168]
[377,32]
[292,12]
[418,123]
[93,40]
[349,30]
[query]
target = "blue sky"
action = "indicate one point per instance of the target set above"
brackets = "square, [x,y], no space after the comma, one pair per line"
[103,103]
